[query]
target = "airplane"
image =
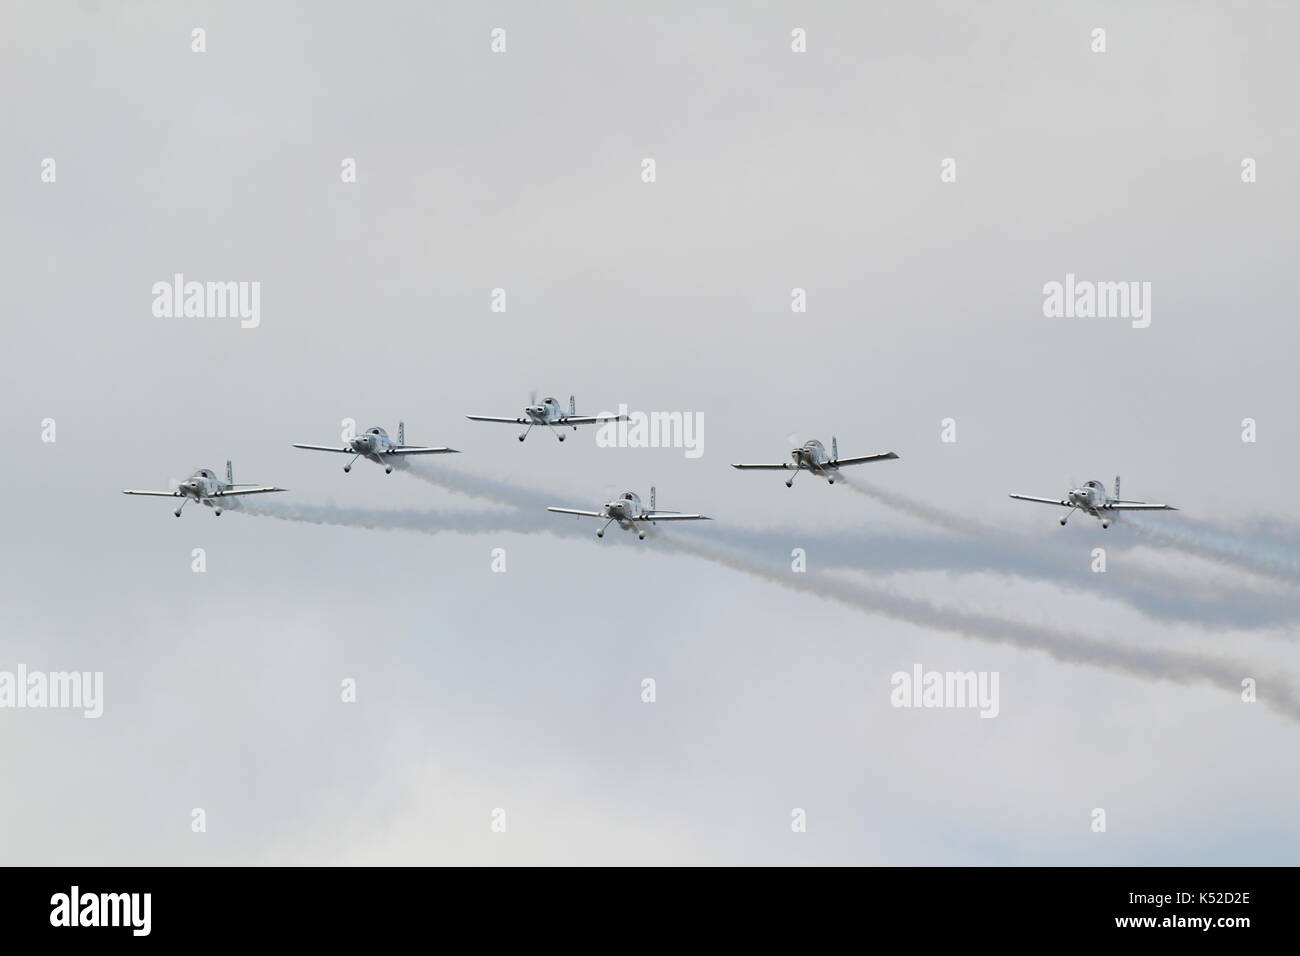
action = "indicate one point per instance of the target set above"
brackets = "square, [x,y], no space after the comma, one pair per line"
[550,414]
[811,456]
[374,444]
[206,488]
[1091,499]
[627,509]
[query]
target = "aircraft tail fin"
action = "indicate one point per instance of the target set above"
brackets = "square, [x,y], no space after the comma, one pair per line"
[835,449]
[230,472]
[573,406]
[1117,487]
[652,497]
[401,433]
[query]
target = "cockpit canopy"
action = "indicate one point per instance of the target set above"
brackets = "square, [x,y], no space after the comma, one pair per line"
[548,400]
[1092,484]
[204,473]
[376,431]
[631,496]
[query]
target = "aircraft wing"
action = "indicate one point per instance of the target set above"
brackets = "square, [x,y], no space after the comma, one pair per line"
[491,418]
[1045,501]
[346,451]
[574,511]
[420,450]
[1137,506]
[591,419]
[865,458]
[157,494]
[672,516]
[245,491]
[786,466]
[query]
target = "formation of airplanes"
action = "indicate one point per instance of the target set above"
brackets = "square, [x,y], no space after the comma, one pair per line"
[627,510]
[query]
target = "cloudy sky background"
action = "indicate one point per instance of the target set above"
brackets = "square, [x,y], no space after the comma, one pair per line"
[775,170]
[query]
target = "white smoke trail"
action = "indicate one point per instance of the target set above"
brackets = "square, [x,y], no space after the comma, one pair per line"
[1203,541]
[1174,666]
[1160,595]
[1220,546]
[917,509]
[425,521]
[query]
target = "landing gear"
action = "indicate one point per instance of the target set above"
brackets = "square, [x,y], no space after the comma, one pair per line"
[561,436]
[217,512]
[1067,516]
[831,480]
[177,512]
[789,483]
[1105,523]
[601,532]
[348,466]
[640,535]
[524,433]
[388,469]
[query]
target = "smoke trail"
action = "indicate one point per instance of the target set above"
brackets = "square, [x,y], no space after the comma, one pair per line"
[476,486]
[1220,547]
[1174,666]
[985,551]
[917,509]
[1201,540]
[425,521]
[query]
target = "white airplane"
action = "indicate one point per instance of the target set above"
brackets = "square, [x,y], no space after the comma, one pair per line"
[811,456]
[374,444]
[206,488]
[549,413]
[1091,499]
[627,509]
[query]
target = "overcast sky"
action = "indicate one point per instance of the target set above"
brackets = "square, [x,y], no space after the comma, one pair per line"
[522,170]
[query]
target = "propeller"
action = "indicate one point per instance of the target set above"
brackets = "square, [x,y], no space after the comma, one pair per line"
[532,397]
